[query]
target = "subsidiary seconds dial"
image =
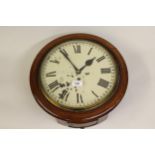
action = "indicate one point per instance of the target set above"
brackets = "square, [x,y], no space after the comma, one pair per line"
[78,74]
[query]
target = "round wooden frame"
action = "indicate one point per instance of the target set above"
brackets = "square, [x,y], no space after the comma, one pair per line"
[86,116]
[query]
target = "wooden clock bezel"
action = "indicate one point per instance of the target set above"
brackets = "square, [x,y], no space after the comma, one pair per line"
[79,117]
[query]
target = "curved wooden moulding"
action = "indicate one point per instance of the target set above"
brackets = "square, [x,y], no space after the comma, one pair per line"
[82,118]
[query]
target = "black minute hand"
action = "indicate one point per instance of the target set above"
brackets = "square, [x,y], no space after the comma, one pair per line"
[64,53]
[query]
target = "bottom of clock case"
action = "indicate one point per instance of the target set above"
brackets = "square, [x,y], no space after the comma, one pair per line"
[82,125]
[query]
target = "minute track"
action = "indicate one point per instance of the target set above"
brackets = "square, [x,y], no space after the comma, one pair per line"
[81,74]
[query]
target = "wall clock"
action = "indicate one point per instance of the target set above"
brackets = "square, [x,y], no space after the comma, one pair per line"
[79,79]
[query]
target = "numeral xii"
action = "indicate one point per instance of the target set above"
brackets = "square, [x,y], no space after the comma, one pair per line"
[77,48]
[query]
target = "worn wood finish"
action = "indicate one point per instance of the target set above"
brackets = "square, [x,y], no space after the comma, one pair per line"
[81,117]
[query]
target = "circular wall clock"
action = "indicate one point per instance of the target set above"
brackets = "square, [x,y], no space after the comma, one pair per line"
[79,79]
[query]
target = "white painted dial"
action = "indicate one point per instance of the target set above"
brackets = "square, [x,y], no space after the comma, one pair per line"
[78,74]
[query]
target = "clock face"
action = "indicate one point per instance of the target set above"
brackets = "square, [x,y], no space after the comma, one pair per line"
[78,75]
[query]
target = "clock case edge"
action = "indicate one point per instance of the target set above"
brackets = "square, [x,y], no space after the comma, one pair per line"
[87,116]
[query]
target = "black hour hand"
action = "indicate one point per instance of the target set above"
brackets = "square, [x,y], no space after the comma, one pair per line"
[87,63]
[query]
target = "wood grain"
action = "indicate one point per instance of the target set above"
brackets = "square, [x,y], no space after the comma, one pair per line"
[81,117]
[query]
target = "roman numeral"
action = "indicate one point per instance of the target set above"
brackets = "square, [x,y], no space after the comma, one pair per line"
[94,94]
[53,85]
[77,48]
[64,95]
[51,74]
[87,73]
[79,98]
[100,59]
[105,70]
[55,61]
[90,51]
[103,83]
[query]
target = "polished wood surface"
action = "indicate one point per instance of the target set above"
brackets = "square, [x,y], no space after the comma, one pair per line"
[81,117]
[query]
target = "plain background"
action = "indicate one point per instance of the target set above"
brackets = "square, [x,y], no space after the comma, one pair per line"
[19,46]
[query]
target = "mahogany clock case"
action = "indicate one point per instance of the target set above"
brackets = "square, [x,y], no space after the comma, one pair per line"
[79,117]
